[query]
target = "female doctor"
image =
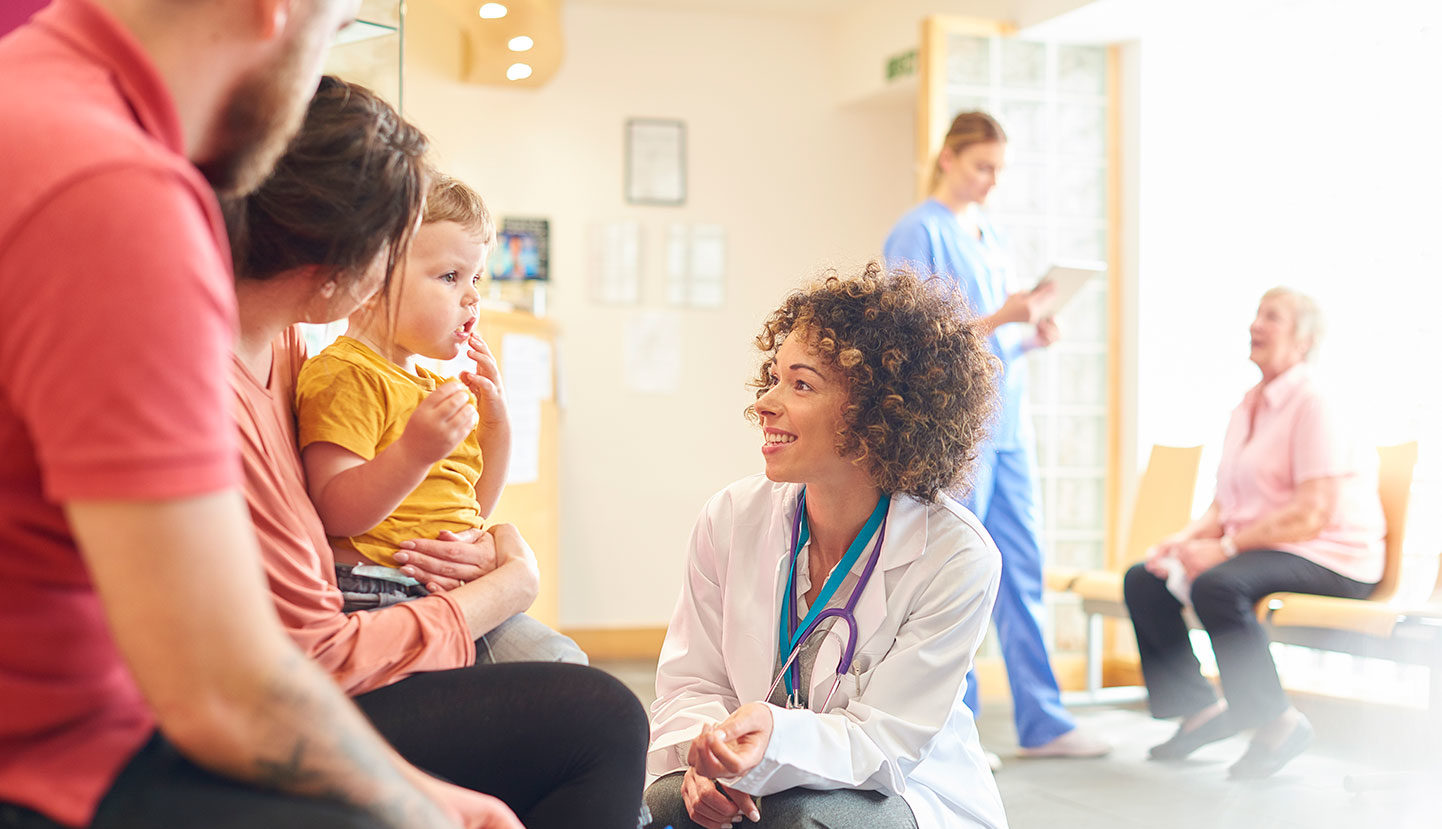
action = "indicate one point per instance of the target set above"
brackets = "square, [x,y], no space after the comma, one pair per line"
[872,401]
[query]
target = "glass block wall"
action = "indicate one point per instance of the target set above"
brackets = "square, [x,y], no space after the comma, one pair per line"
[1052,202]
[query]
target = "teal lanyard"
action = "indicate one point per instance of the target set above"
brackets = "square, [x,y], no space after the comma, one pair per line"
[793,635]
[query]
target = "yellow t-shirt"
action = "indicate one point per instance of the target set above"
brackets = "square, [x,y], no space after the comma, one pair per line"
[351,396]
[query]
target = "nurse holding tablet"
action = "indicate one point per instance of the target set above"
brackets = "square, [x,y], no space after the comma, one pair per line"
[949,235]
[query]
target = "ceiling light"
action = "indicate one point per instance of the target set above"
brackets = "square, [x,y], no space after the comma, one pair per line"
[491,11]
[518,72]
[522,43]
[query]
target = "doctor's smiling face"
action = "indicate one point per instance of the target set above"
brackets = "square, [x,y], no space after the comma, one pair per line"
[801,417]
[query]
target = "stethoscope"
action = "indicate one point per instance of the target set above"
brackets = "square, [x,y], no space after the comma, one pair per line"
[796,631]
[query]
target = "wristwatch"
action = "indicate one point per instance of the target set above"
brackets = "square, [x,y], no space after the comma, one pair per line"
[1229,547]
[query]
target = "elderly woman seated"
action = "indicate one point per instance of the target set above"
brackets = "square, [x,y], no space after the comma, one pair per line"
[1295,510]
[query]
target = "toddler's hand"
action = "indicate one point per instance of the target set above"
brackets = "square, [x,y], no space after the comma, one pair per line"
[440,423]
[485,384]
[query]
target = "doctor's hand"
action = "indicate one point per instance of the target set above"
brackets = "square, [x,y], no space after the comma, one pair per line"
[449,560]
[713,808]
[735,746]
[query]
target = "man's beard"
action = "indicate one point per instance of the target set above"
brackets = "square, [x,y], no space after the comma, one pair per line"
[261,114]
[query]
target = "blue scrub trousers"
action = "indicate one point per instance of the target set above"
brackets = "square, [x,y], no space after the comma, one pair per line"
[1004,498]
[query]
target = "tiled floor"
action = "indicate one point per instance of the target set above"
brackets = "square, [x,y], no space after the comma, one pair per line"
[1126,791]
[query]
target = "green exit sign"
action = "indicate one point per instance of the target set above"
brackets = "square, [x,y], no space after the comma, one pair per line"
[899,66]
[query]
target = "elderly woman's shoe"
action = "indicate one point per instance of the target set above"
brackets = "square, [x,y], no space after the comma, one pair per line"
[1263,760]
[1183,743]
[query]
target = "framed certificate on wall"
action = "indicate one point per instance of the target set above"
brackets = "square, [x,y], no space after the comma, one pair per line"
[655,161]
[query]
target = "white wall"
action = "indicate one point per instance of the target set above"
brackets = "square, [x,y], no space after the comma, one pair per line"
[1293,143]
[1268,141]
[798,182]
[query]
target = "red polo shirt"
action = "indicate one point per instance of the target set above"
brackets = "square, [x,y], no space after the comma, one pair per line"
[116,320]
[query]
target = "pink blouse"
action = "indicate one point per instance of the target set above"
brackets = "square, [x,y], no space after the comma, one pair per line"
[1294,439]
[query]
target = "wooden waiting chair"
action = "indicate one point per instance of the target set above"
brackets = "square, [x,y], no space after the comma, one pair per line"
[1380,626]
[1395,468]
[1374,626]
[1162,506]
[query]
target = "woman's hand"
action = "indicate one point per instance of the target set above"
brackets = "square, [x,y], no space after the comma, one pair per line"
[485,384]
[1167,548]
[1156,560]
[1026,306]
[713,808]
[1200,555]
[449,560]
[1046,334]
[736,745]
[514,556]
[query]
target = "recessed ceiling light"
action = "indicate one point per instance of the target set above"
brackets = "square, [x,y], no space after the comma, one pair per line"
[521,43]
[491,11]
[518,72]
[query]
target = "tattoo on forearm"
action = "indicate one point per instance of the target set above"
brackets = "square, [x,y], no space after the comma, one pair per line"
[321,747]
[289,773]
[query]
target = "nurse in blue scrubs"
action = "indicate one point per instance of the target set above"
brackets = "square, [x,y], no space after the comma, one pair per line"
[949,234]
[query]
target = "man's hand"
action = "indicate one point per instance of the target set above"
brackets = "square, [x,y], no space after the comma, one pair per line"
[439,424]
[449,560]
[471,809]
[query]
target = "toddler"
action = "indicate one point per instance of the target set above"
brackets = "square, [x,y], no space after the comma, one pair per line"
[392,451]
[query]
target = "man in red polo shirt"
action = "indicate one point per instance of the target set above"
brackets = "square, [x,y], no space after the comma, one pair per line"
[144,678]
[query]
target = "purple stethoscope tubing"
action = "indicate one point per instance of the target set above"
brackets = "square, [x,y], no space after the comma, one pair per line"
[846,613]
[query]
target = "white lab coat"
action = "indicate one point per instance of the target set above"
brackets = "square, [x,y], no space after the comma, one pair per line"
[897,723]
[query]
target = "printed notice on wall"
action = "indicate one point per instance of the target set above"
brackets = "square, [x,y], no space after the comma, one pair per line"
[525,442]
[652,352]
[528,378]
[696,265]
[527,370]
[616,263]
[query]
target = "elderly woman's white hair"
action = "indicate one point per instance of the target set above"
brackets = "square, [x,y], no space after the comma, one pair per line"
[1306,316]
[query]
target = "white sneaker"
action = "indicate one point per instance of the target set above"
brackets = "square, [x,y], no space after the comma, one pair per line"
[1078,742]
[993,760]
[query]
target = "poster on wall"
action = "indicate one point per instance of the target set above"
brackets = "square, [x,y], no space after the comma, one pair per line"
[655,161]
[522,250]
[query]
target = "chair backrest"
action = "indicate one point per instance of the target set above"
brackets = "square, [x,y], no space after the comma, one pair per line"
[1164,499]
[1394,486]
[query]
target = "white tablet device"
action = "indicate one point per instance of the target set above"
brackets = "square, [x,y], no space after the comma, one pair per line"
[1068,277]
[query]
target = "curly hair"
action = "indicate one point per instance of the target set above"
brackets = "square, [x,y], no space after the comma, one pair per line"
[921,383]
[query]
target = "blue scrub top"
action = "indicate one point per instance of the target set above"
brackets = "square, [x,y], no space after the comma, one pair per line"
[929,239]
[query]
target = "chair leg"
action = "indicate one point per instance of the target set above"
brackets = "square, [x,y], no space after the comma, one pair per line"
[1094,653]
